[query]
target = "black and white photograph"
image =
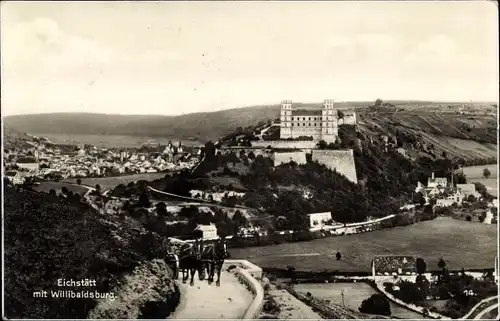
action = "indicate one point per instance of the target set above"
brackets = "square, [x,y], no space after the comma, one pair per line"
[247,160]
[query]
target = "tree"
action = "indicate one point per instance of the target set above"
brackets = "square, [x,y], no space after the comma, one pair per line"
[441,263]
[52,192]
[239,219]
[376,304]
[98,188]
[143,200]
[471,198]
[421,265]
[251,155]
[189,212]
[486,173]
[338,256]
[420,199]
[79,181]
[378,102]
[322,144]
[161,209]
[291,272]
[64,190]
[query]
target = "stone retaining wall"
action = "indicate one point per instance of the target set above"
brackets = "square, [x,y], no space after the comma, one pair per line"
[299,144]
[248,274]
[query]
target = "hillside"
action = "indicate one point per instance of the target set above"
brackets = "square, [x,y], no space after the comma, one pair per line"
[13,137]
[462,136]
[49,238]
[212,126]
[284,194]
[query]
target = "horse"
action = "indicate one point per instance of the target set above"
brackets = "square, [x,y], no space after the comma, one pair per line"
[172,260]
[217,254]
[189,263]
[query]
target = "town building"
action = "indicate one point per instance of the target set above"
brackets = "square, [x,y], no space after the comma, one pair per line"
[468,189]
[319,123]
[209,231]
[318,220]
[437,181]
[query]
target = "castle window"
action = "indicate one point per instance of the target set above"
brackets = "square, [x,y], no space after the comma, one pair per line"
[303,124]
[309,118]
[314,124]
[292,118]
[298,124]
[303,118]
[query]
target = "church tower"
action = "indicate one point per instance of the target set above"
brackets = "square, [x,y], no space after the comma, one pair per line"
[329,122]
[286,119]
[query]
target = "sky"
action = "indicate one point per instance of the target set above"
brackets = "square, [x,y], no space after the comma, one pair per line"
[175,58]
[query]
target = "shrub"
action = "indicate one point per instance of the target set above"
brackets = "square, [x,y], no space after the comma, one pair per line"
[409,292]
[376,304]
[271,306]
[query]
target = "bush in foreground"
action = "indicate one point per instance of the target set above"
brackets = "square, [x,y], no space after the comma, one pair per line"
[48,238]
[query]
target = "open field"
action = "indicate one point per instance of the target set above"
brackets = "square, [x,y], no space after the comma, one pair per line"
[111,141]
[57,186]
[354,294]
[462,244]
[475,174]
[111,182]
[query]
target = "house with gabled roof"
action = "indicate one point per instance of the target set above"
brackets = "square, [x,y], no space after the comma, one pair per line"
[435,181]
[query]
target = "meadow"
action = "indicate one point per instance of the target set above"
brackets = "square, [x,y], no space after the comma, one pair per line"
[354,294]
[462,244]
[111,182]
[475,174]
[57,186]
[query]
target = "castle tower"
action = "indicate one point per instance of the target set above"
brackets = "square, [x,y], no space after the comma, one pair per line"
[329,122]
[286,119]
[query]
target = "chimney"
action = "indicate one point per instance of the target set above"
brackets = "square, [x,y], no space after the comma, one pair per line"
[432,175]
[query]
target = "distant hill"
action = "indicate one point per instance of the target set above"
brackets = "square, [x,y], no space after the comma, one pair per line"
[437,119]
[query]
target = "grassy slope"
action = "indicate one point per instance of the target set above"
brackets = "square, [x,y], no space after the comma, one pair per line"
[47,238]
[467,245]
[445,131]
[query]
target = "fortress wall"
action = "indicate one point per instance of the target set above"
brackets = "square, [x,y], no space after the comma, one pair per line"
[308,144]
[348,119]
[237,150]
[340,160]
[284,158]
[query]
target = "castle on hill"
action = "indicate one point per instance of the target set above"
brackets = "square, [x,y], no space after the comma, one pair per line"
[319,123]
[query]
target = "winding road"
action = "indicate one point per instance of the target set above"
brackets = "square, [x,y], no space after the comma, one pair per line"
[203,301]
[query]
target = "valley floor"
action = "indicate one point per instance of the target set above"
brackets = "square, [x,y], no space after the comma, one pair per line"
[462,244]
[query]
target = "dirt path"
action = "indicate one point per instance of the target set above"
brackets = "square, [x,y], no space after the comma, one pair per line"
[203,301]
